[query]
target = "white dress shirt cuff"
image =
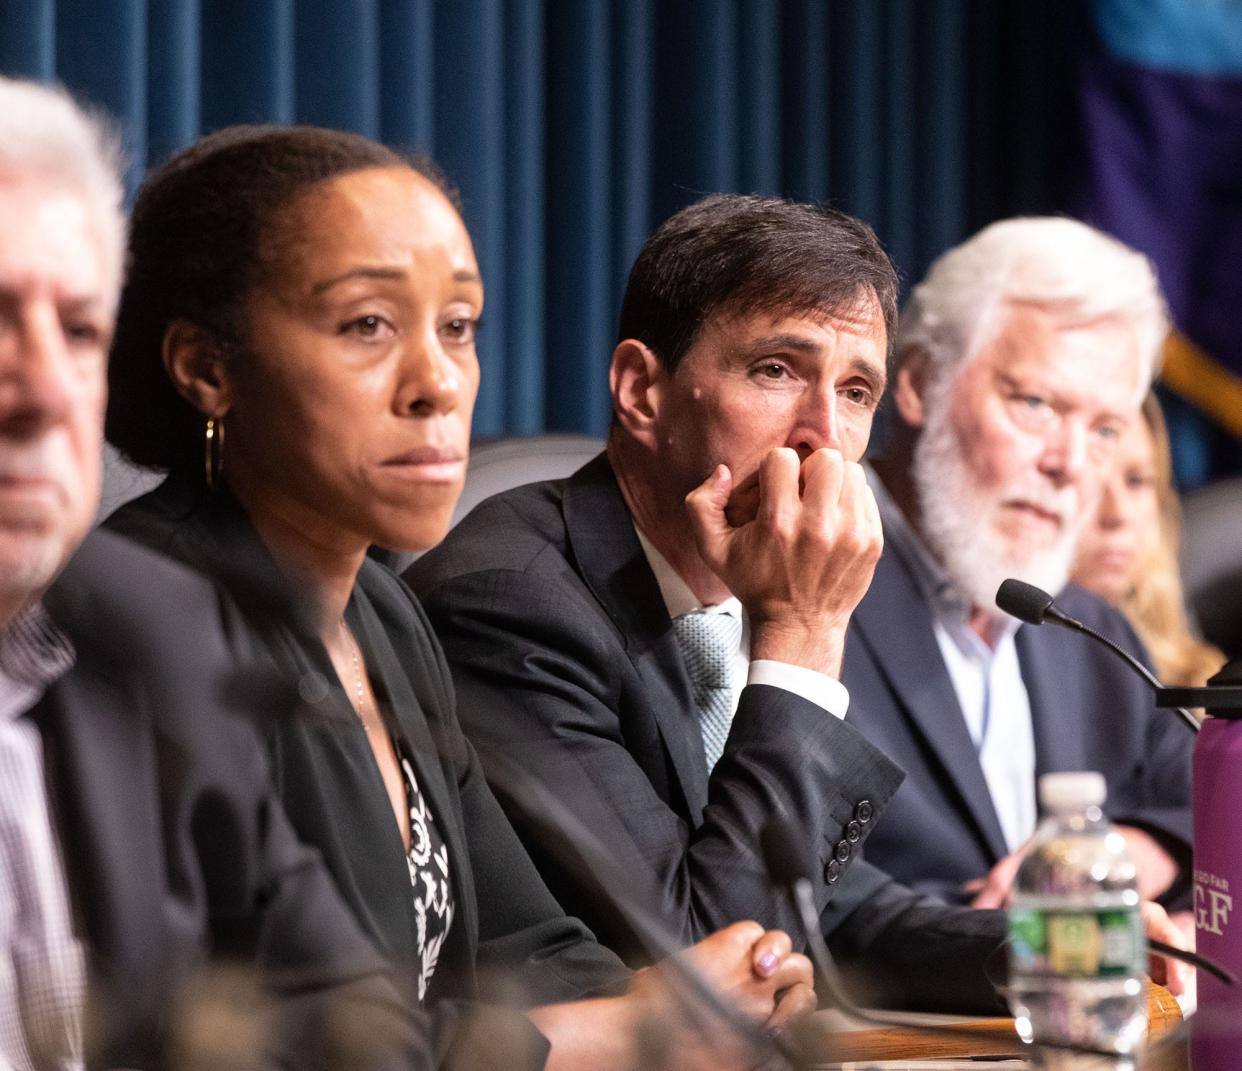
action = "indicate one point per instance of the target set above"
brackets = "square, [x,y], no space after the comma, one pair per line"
[811,685]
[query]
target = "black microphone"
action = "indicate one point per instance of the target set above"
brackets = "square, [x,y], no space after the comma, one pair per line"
[1028,603]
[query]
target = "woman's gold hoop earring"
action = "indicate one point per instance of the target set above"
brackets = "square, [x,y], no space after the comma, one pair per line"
[213,443]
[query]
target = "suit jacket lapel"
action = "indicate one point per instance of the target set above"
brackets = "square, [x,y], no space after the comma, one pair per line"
[611,560]
[1058,740]
[895,622]
[103,764]
[427,755]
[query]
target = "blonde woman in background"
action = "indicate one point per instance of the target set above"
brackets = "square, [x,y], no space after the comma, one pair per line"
[1127,553]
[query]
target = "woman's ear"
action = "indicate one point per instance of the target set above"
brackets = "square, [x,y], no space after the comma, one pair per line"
[195,362]
[636,378]
[910,390]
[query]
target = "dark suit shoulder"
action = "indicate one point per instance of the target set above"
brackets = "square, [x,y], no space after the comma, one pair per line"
[155,518]
[506,532]
[110,560]
[114,583]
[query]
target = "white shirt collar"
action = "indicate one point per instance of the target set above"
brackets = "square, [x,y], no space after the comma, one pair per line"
[33,654]
[678,598]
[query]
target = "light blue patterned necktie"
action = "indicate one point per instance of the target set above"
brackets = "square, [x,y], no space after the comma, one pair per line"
[709,644]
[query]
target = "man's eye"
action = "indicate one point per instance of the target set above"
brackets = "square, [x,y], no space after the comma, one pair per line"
[857,395]
[368,327]
[83,333]
[772,370]
[1108,432]
[1033,401]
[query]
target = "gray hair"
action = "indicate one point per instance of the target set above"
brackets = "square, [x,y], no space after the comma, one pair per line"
[1054,262]
[45,136]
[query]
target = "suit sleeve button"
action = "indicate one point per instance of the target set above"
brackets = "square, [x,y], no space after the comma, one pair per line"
[864,811]
[842,851]
[832,871]
[853,832]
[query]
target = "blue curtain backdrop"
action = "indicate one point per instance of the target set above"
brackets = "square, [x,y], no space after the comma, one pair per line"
[574,126]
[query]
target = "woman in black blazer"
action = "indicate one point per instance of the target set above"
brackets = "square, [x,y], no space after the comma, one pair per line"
[295,346]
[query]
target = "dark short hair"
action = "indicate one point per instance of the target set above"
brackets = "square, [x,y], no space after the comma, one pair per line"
[743,254]
[204,228]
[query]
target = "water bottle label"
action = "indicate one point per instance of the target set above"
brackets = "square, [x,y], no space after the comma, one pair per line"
[1078,944]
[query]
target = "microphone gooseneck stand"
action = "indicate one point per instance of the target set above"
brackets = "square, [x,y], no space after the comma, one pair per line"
[1028,603]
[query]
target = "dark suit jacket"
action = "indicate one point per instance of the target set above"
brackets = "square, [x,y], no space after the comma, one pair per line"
[510,941]
[175,848]
[1089,712]
[566,663]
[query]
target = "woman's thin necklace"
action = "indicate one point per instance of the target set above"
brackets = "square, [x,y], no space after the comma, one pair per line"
[357,661]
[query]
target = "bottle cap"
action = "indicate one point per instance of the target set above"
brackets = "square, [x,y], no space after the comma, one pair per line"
[1072,791]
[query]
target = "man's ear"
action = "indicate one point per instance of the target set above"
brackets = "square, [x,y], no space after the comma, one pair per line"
[195,362]
[910,386]
[637,380]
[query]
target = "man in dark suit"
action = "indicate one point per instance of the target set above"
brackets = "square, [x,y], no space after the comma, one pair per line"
[1019,360]
[658,638]
[141,847]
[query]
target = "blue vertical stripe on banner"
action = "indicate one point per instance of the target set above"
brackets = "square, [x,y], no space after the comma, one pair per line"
[336,62]
[247,62]
[28,39]
[174,112]
[522,392]
[470,145]
[407,66]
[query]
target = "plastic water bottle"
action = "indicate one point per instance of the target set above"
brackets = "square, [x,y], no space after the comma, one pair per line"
[1078,950]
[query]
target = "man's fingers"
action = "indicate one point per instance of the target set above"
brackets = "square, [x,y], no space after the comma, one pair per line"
[823,478]
[859,511]
[990,896]
[706,507]
[859,499]
[873,510]
[838,504]
[994,889]
[779,501]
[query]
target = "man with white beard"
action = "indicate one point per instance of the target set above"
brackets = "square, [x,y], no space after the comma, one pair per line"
[1018,362]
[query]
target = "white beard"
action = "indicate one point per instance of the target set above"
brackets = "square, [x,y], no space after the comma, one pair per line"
[958,519]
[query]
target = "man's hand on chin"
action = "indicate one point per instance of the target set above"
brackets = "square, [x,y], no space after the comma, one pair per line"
[803,562]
